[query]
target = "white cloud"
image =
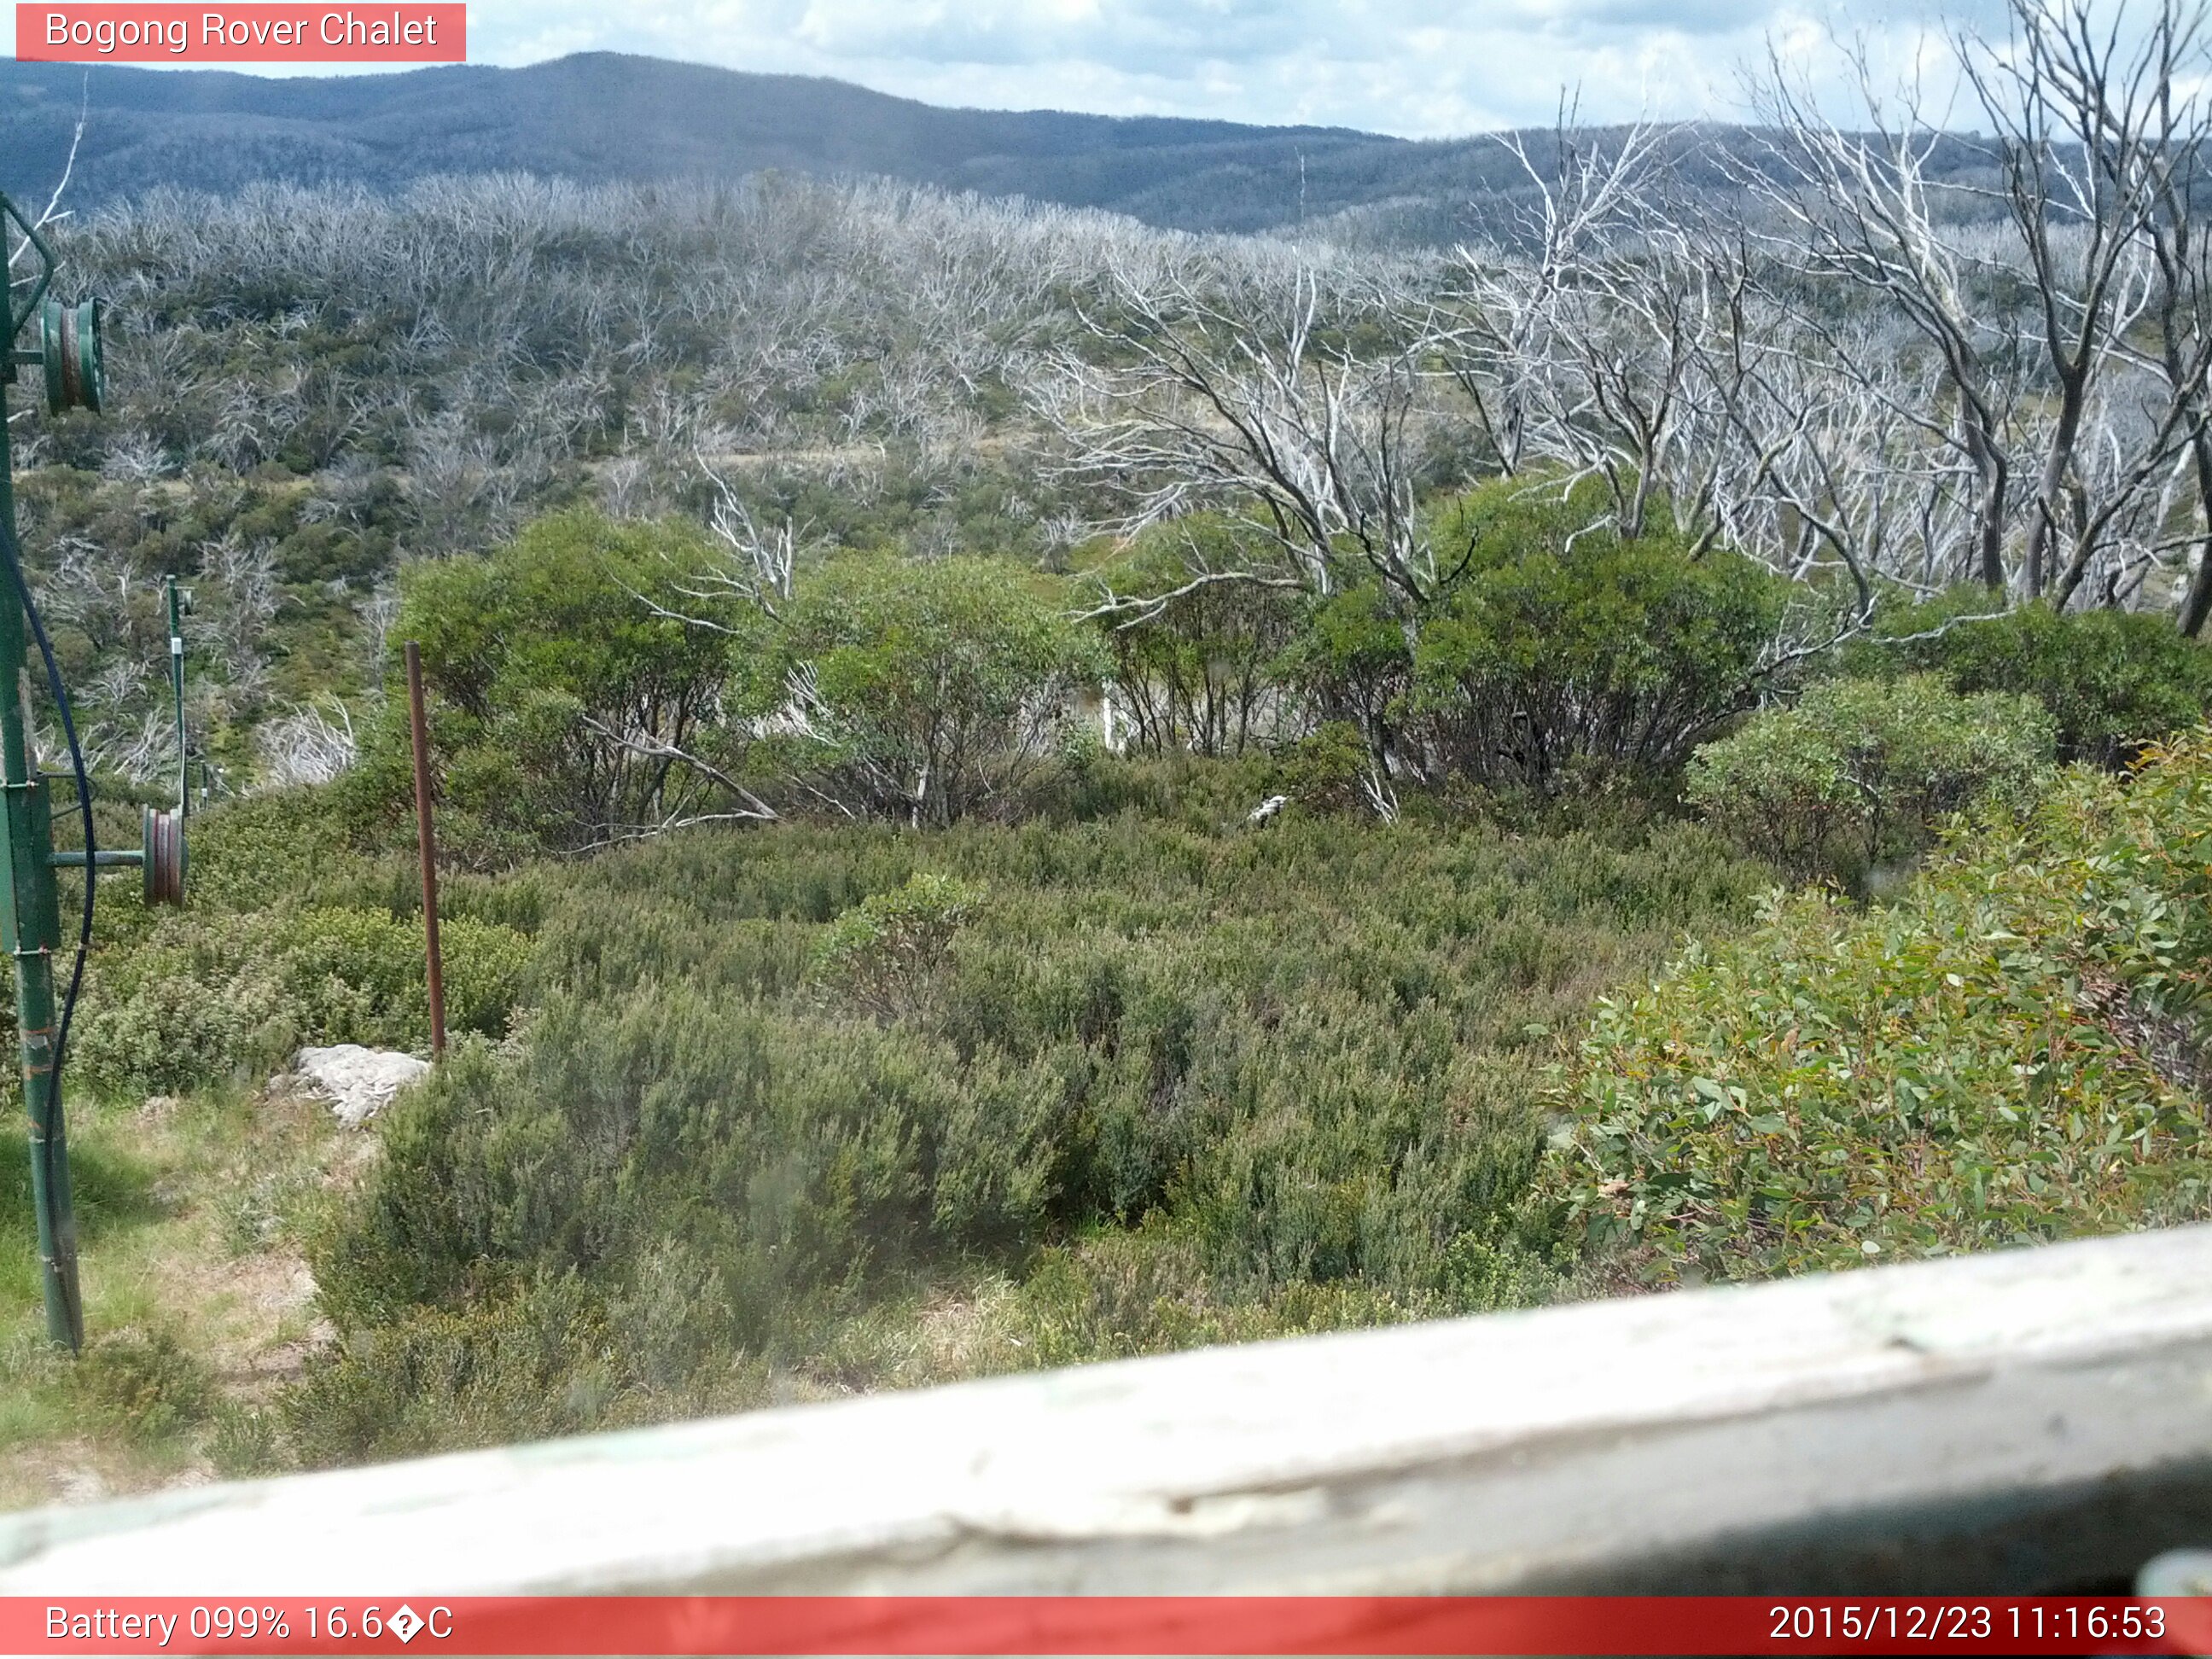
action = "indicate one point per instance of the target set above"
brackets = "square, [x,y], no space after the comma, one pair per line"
[1417,68]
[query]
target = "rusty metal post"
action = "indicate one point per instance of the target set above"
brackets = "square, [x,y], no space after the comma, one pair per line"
[426,840]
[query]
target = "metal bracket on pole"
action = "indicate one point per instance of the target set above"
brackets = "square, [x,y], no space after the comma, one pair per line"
[68,352]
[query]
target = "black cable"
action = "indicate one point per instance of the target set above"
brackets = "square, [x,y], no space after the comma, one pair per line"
[12,552]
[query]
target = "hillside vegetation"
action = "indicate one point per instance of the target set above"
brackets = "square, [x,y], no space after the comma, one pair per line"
[2012,1051]
[776,1113]
[802,1109]
[1016,787]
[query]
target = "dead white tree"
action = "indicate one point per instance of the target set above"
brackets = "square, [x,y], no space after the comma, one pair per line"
[1573,327]
[2091,128]
[1860,203]
[305,745]
[756,571]
[1294,393]
[21,254]
[2119,110]
[2061,355]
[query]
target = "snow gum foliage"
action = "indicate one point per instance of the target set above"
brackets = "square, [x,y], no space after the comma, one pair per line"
[931,689]
[2007,1054]
[1862,772]
[599,681]
[1569,651]
[564,702]
[884,948]
[2112,681]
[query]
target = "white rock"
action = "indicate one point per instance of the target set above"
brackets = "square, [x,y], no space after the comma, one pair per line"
[359,1082]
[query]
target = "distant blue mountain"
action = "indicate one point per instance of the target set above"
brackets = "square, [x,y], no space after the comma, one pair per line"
[601,116]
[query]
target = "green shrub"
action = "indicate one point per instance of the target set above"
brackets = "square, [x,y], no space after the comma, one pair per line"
[357,975]
[931,689]
[1301,1064]
[526,1366]
[1861,771]
[201,998]
[2113,681]
[1325,771]
[145,1382]
[883,951]
[561,689]
[2007,1055]
[1353,663]
[1199,673]
[290,845]
[214,994]
[1117,1295]
[1566,656]
[796,1155]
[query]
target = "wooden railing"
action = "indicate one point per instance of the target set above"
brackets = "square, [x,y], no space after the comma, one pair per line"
[2031,1420]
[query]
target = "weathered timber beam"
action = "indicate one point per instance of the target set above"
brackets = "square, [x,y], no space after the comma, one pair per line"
[2031,1420]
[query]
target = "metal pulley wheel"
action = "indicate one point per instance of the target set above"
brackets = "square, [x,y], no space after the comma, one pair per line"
[163,865]
[69,341]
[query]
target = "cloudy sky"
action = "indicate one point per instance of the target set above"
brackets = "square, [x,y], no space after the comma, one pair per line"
[1417,68]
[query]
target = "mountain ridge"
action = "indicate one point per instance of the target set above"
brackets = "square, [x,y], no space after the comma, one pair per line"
[606,116]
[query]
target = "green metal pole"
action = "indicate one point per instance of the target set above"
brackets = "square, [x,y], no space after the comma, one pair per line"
[30,931]
[177,689]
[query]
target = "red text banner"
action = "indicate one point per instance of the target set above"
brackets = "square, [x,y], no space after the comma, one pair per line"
[1103,1624]
[262,33]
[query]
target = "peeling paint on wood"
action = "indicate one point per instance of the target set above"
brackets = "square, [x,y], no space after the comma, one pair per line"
[2031,1420]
